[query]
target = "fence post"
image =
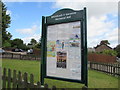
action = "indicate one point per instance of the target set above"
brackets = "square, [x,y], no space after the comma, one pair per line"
[12,56]
[90,65]
[114,70]
[14,79]
[118,70]
[46,86]
[4,78]
[97,66]
[108,68]
[19,80]
[25,77]
[31,81]
[111,69]
[103,67]
[38,85]
[9,78]
[20,56]
[54,88]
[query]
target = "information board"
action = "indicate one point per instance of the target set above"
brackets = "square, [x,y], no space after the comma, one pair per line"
[64,50]
[64,46]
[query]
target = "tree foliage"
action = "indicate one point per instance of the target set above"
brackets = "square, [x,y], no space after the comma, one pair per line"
[110,52]
[117,49]
[104,42]
[6,20]
[33,41]
[18,43]
[37,45]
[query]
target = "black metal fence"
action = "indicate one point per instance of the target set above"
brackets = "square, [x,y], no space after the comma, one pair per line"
[109,68]
[20,56]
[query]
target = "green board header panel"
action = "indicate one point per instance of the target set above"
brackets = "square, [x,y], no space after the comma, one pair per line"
[64,15]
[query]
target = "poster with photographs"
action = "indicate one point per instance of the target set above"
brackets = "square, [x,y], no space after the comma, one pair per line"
[51,49]
[64,50]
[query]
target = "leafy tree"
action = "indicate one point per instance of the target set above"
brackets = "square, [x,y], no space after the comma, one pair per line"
[23,46]
[117,49]
[17,43]
[38,45]
[6,20]
[104,42]
[110,52]
[7,43]
[33,41]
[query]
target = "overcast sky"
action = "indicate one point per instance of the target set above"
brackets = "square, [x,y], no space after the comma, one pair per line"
[102,18]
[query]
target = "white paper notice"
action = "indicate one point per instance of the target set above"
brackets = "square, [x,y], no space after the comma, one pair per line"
[64,50]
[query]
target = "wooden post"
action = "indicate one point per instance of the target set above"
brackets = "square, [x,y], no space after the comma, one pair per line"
[4,78]
[114,70]
[107,67]
[54,88]
[90,65]
[20,56]
[14,79]
[12,56]
[31,81]
[103,67]
[111,69]
[118,70]
[46,86]
[97,66]
[19,80]
[38,85]
[25,77]
[9,79]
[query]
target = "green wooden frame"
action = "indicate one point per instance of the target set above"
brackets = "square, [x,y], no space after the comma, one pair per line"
[50,20]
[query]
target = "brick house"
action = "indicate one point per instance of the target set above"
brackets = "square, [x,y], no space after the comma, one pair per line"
[102,47]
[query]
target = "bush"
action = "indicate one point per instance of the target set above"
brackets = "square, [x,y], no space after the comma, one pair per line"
[107,52]
[110,52]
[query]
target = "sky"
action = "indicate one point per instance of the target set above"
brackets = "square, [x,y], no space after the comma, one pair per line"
[26,18]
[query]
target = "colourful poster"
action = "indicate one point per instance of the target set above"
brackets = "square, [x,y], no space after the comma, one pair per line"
[51,46]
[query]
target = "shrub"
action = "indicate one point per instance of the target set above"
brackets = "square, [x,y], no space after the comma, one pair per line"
[110,52]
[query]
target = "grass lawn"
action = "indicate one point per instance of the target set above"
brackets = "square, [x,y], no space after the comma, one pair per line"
[96,79]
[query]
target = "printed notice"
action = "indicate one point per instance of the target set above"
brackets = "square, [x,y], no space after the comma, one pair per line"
[64,50]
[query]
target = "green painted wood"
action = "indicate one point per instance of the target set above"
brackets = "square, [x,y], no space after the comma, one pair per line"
[43,51]
[65,16]
[85,48]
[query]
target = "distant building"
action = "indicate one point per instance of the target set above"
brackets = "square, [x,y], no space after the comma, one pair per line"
[102,47]
[91,49]
[30,45]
